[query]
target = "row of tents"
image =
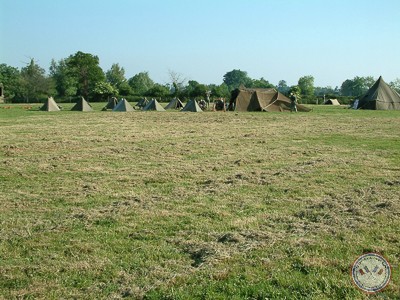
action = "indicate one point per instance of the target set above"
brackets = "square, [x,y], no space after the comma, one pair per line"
[380,97]
[123,105]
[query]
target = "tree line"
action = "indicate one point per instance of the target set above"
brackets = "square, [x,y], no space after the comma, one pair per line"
[80,74]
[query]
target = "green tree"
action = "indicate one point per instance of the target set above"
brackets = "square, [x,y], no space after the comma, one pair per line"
[103,90]
[11,79]
[85,68]
[66,83]
[34,82]
[306,85]
[194,90]
[261,83]
[158,90]
[141,83]
[283,87]
[116,76]
[236,78]
[395,84]
[356,86]
[220,91]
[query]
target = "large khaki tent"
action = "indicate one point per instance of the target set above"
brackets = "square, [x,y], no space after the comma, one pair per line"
[381,97]
[174,104]
[332,102]
[50,105]
[154,105]
[112,103]
[244,99]
[123,105]
[192,106]
[82,105]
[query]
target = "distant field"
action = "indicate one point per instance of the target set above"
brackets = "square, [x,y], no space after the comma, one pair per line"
[173,205]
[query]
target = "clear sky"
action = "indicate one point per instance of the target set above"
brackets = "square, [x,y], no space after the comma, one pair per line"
[331,40]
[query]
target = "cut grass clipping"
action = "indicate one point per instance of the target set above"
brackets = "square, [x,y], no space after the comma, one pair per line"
[183,205]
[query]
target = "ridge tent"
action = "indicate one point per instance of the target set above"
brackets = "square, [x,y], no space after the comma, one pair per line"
[82,105]
[112,103]
[332,102]
[50,105]
[123,105]
[192,106]
[174,104]
[243,99]
[380,97]
[154,105]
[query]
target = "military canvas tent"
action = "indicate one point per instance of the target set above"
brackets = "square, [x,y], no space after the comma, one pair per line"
[174,104]
[192,106]
[154,105]
[82,105]
[381,97]
[123,105]
[244,99]
[142,103]
[112,103]
[332,102]
[50,105]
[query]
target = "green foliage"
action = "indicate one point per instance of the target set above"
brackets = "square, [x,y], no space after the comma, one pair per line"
[102,90]
[85,69]
[195,90]
[261,83]
[220,91]
[141,83]
[395,84]
[34,82]
[10,78]
[158,90]
[356,86]
[236,78]
[116,76]
[306,85]
[283,87]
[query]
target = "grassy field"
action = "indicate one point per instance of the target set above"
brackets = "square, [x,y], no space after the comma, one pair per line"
[173,205]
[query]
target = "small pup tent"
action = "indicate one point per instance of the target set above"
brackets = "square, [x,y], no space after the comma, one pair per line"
[82,105]
[154,105]
[174,104]
[244,99]
[192,106]
[380,97]
[123,105]
[50,105]
[332,102]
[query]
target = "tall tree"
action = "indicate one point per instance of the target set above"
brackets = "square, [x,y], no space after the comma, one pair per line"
[116,75]
[10,78]
[87,71]
[66,83]
[177,82]
[356,86]
[236,78]
[33,81]
[306,85]
[141,83]
[261,83]
[220,91]
[283,87]
[395,84]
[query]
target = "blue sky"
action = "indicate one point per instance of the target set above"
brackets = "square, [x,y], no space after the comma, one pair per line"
[203,39]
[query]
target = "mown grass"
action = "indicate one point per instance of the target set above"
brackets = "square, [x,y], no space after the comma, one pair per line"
[209,206]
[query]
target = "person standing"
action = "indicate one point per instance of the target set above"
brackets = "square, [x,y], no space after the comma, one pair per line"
[293,102]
